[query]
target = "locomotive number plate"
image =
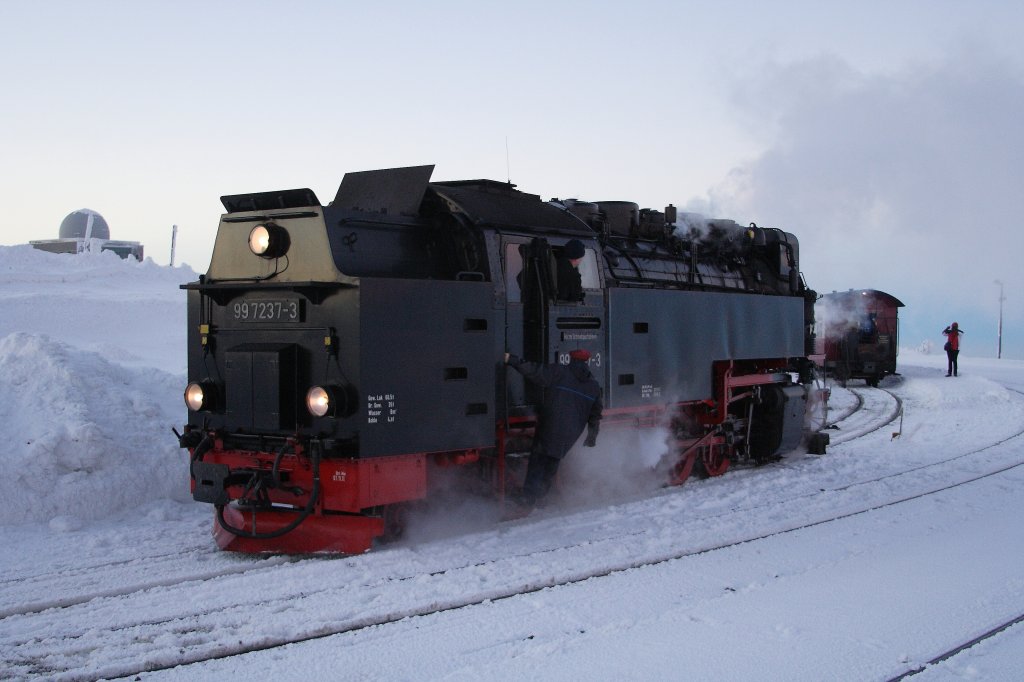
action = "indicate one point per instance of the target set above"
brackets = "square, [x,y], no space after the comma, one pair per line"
[267,310]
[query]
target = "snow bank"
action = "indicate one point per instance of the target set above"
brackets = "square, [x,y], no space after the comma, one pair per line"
[131,312]
[85,342]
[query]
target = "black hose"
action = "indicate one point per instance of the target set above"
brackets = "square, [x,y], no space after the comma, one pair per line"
[204,446]
[200,451]
[303,515]
[275,471]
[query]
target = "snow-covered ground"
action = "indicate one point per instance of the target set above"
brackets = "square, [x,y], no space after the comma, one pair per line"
[899,546]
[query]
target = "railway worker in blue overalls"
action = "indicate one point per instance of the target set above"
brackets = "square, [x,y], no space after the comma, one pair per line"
[572,401]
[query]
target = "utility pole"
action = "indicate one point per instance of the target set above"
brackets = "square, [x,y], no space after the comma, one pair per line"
[999,347]
[174,242]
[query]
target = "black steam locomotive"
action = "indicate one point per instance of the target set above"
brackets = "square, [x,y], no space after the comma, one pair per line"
[341,356]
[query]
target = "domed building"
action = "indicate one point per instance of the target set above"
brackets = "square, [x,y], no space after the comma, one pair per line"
[84,224]
[85,231]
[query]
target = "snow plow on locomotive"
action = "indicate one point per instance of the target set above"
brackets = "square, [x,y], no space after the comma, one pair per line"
[341,357]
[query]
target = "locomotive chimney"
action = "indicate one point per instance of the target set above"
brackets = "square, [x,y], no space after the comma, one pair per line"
[670,214]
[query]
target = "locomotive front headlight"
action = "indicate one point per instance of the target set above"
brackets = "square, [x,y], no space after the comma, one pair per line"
[331,401]
[200,395]
[318,401]
[269,240]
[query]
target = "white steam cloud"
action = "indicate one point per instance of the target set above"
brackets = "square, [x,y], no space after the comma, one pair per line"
[624,463]
[834,316]
[908,182]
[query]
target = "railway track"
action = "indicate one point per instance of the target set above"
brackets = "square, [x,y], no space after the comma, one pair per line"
[89,581]
[326,597]
[875,409]
[229,621]
[991,633]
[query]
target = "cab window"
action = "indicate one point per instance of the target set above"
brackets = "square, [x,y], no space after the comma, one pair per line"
[513,270]
[589,272]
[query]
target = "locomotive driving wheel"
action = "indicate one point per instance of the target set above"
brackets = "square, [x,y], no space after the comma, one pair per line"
[706,456]
[395,518]
[681,471]
[715,459]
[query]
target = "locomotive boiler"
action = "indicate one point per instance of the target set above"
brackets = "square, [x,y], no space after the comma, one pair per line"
[342,357]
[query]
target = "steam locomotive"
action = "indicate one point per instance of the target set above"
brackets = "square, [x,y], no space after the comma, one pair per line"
[341,358]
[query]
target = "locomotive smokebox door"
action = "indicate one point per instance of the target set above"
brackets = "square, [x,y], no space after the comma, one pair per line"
[263,382]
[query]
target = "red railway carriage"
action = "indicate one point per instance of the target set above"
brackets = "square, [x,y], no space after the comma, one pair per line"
[858,333]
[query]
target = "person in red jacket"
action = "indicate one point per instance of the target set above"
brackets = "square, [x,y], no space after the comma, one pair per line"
[952,347]
[572,401]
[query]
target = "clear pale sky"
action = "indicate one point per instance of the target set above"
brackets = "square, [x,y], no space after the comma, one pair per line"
[886,135]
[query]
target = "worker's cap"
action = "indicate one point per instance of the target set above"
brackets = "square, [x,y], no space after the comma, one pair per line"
[579,354]
[574,249]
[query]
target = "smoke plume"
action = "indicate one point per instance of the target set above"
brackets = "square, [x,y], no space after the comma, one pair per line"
[907,182]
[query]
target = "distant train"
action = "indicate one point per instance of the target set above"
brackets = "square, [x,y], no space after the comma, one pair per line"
[858,333]
[341,358]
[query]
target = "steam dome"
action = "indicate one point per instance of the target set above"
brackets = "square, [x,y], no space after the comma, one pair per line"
[84,224]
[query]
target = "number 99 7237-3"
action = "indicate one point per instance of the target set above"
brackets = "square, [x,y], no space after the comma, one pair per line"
[266,310]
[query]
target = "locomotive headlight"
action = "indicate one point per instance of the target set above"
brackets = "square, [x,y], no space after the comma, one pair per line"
[331,401]
[269,240]
[319,401]
[200,395]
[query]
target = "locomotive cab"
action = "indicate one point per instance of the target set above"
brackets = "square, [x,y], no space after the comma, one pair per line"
[544,323]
